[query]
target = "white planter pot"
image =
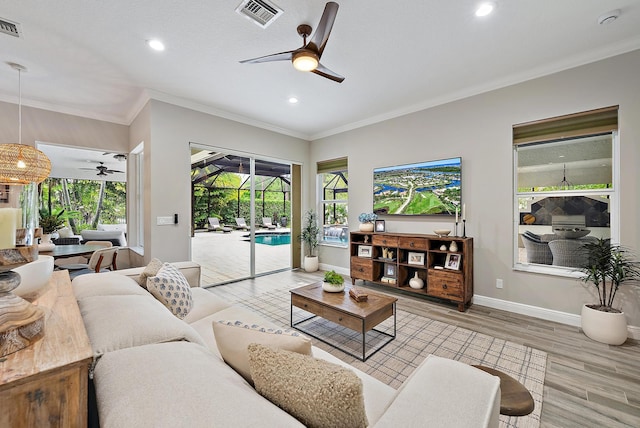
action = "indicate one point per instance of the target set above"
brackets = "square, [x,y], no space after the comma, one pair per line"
[604,327]
[310,263]
[331,288]
[366,227]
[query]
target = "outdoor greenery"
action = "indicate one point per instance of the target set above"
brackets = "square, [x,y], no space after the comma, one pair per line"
[83,203]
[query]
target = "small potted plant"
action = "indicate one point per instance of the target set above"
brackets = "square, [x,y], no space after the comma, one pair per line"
[49,224]
[606,267]
[333,282]
[366,221]
[309,236]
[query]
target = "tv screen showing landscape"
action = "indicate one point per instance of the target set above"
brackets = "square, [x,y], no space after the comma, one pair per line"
[427,188]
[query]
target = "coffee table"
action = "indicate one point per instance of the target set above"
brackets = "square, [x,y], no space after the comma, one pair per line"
[341,309]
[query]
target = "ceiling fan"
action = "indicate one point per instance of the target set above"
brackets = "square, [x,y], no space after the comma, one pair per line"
[103,170]
[117,156]
[307,58]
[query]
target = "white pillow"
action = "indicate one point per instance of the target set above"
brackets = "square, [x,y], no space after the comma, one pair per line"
[172,289]
[65,232]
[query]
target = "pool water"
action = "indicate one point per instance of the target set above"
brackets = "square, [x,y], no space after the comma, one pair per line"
[273,239]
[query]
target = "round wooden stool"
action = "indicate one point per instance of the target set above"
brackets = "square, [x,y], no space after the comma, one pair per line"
[515,399]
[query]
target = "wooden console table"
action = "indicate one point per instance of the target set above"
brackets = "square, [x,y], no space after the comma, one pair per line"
[46,383]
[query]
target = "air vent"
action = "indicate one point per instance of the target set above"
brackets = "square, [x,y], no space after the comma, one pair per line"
[259,11]
[10,28]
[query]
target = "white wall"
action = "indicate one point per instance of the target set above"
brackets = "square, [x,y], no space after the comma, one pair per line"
[479,129]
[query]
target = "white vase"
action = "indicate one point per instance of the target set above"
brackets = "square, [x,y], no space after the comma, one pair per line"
[310,263]
[453,246]
[604,327]
[416,282]
[332,288]
[366,227]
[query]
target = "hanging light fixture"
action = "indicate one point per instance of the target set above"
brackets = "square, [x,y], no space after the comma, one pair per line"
[564,184]
[21,163]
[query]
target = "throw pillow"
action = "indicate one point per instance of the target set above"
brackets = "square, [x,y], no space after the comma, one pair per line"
[172,289]
[233,338]
[316,392]
[150,270]
[65,232]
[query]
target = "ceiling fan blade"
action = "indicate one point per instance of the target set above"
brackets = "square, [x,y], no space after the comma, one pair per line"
[111,171]
[282,56]
[323,30]
[325,72]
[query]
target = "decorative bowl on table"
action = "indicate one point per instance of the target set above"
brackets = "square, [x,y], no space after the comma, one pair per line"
[34,276]
[442,232]
[571,232]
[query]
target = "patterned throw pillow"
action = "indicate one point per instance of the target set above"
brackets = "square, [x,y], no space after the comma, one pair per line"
[316,392]
[150,270]
[233,338]
[172,289]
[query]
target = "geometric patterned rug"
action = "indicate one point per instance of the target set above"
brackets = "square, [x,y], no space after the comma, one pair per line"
[417,337]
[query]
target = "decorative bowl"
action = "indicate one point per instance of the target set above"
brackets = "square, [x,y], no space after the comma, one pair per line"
[34,276]
[571,233]
[442,232]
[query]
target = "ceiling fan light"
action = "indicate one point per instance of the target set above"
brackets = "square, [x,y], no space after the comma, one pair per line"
[305,60]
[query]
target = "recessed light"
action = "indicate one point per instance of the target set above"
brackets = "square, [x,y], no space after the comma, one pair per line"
[485,9]
[293,100]
[155,44]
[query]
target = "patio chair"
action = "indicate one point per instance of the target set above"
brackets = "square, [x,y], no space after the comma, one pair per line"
[241,224]
[101,260]
[215,226]
[266,223]
[570,252]
[537,248]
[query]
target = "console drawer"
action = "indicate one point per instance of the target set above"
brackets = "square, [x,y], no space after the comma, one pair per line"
[445,285]
[362,268]
[411,243]
[386,241]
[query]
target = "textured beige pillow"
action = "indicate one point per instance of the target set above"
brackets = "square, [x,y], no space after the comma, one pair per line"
[150,270]
[318,393]
[172,289]
[233,338]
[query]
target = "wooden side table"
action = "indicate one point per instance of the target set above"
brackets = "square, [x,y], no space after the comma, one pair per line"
[46,383]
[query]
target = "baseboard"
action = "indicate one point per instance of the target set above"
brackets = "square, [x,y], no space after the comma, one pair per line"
[337,269]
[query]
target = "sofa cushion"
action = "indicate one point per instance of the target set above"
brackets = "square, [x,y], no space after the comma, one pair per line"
[190,270]
[233,338]
[117,237]
[316,392]
[116,322]
[105,284]
[178,384]
[204,303]
[172,289]
[150,270]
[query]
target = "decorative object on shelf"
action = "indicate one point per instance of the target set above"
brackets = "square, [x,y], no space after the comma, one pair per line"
[416,282]
[415,258]
[365,251]
[607,268]
[443,247]
[358,295]
[442,232]
[455,233]
[390,270]
[309,236]
[452,261]
[333,282]
[464,220]
[366,239]
[366,221]
[453,246]
[380,226]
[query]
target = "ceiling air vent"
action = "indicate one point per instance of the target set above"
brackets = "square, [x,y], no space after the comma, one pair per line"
[259,11]
[10,28]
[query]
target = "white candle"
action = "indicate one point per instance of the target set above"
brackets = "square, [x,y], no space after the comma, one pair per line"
[18,218]
[456,214]
[7,228]
[464,212]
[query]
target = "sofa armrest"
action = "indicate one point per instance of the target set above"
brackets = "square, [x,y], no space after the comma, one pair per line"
[445,393]
[190,270]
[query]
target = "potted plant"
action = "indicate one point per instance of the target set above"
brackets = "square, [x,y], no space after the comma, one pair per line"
[333,282]
[309,237]
[607,267]
[50,223]
[366,221]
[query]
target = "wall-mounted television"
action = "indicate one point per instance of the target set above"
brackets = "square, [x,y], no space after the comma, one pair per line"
[426,188]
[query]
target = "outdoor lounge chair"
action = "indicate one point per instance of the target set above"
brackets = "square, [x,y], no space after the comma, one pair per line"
[215,226]
[241,224]
[537,247]
[266,222]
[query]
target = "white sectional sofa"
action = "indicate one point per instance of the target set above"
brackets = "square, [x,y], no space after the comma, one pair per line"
[152,369]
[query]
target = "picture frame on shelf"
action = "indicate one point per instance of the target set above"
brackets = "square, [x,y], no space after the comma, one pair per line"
[390,270]
[453,261]
[415,258]
[365,251]
[380,226]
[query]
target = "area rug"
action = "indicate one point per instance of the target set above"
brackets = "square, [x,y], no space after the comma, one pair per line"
[417,337]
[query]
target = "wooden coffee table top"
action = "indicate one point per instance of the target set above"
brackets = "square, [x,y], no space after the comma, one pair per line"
[341,301]
[515,399]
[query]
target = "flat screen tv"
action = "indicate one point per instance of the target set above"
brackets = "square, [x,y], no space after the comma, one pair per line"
[427,188]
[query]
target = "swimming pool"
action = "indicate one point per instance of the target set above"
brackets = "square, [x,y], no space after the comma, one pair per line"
[273,239]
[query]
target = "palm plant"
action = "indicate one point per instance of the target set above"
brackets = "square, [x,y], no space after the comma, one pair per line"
[607,267]
[310,232]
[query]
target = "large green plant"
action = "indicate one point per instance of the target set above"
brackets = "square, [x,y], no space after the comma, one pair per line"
[51,222]
[607,267]
[310,232]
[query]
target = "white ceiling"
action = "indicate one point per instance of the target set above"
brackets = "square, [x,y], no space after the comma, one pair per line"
[89,57]
[72,162]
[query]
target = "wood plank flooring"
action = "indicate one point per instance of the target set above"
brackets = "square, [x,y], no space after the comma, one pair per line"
[587,384]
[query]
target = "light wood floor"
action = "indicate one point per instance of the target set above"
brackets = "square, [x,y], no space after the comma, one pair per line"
[587,384]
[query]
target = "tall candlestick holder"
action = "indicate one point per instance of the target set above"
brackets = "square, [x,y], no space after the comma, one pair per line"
[455,233]
[464,228]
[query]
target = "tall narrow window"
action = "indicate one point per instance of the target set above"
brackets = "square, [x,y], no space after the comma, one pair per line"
[333,189]
[565,188]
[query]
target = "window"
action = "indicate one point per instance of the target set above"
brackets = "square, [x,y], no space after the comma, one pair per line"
[565,188]
[333,189]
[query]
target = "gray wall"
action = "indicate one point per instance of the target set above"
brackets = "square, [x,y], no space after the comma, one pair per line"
[479,129]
